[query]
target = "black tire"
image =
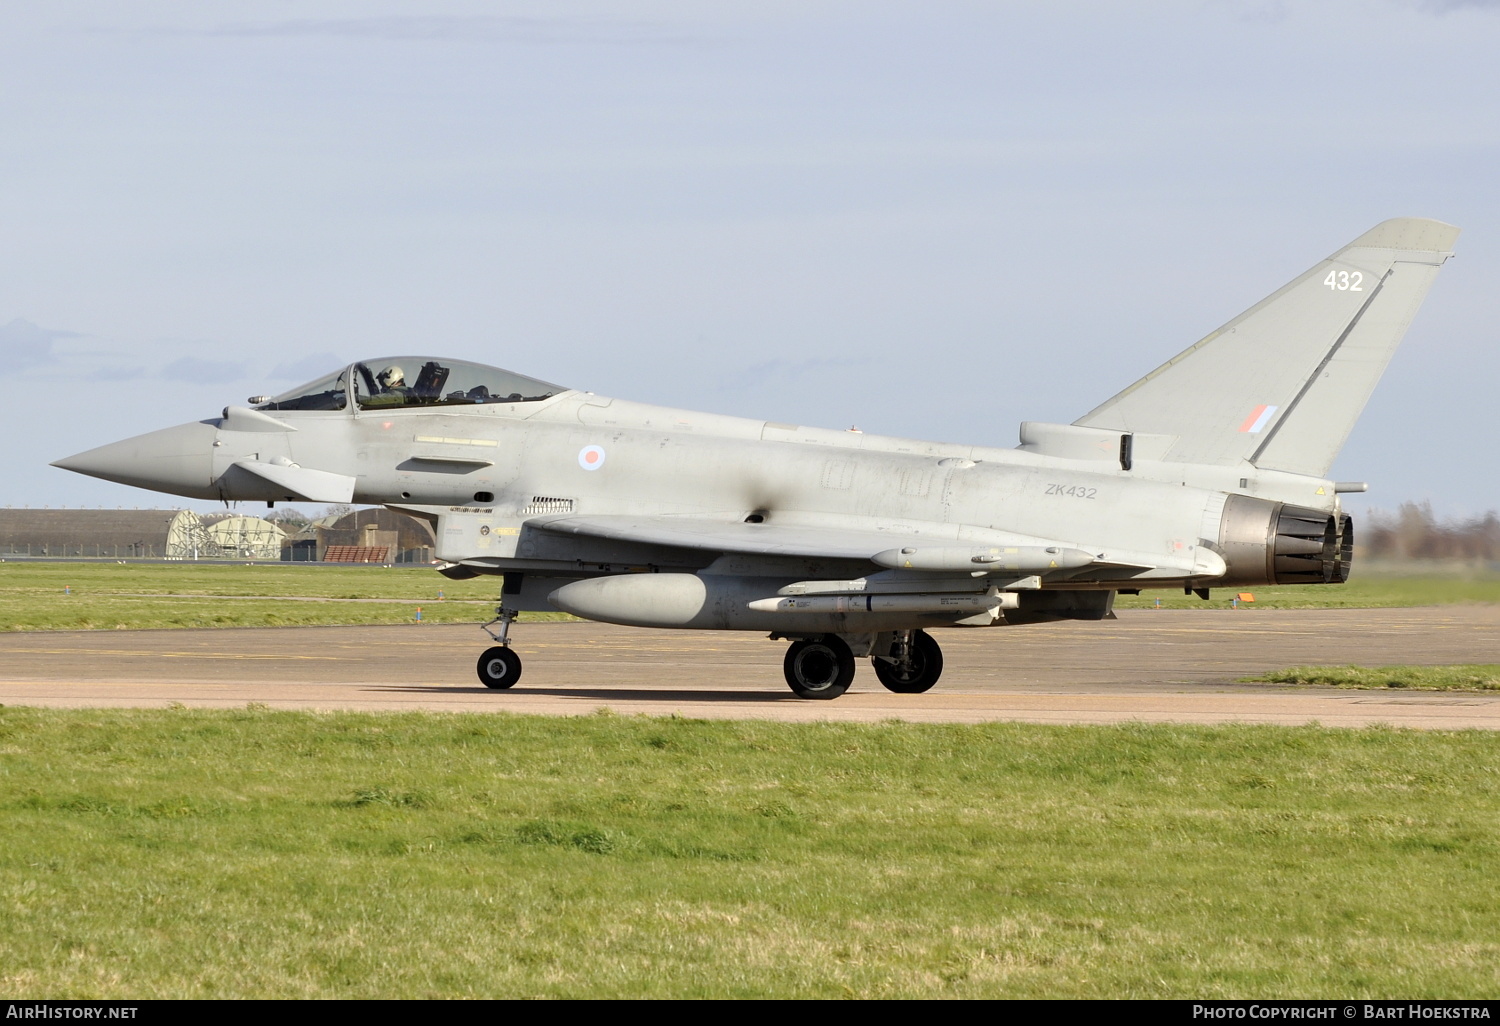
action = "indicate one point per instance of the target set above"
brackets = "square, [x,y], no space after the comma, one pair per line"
[821,668]
[499,668]
[921,672]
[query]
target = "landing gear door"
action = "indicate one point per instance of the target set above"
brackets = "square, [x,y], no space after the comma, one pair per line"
[469,532]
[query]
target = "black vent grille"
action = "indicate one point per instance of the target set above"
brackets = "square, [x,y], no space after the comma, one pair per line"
[542,505]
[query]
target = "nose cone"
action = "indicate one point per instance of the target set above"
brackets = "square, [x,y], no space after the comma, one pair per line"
[178,460]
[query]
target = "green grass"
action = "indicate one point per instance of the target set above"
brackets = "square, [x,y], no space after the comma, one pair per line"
[145,595]
[84,596]
[1481,677]
[198,853]
[1363,592]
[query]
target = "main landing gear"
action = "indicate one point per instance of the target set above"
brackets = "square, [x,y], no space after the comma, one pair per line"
[907,662]
[819,667]
[499,667]
[914,665]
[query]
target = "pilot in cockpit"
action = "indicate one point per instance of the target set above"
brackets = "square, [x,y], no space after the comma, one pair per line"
[393,390]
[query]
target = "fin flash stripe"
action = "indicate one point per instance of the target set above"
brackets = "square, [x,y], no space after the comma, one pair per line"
[1258,419]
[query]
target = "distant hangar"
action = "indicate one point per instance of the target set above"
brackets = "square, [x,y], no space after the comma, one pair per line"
[358,536]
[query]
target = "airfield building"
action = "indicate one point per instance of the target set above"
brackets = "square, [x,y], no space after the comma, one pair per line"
[234,536]
[101,533]
[358,536]
[374,536]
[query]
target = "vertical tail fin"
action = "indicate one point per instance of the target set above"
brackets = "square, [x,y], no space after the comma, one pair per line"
[1282,384]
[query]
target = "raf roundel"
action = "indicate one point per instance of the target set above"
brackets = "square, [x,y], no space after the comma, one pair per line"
[591,457]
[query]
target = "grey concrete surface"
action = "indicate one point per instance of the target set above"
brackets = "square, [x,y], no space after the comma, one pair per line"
[1168,665]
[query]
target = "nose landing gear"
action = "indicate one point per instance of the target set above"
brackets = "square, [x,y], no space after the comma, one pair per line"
[499,667]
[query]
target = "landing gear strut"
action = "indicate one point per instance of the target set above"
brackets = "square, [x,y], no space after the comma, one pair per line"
[819,667]
[914,665]
[499,667]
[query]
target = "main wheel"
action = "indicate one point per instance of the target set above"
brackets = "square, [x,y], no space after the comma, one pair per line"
[919,672]
[822,668]
[499,667]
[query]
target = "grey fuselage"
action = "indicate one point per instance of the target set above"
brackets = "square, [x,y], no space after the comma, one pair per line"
[1157,524]
[1206,472]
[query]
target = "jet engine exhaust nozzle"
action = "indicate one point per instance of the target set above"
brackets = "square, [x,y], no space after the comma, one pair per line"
[1266,542]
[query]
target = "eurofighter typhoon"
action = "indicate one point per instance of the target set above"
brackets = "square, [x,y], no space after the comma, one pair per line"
[1209,472]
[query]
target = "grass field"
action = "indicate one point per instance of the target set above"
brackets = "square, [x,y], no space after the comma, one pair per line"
[1481,677]
[193,853]
[1367,591]
[143,595]
[85,596]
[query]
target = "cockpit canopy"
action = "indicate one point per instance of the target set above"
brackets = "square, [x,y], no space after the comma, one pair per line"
[401,381]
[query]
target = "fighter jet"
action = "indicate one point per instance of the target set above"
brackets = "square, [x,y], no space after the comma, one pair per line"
[1209,472]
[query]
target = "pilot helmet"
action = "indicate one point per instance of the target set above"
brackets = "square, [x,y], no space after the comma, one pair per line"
[391,377]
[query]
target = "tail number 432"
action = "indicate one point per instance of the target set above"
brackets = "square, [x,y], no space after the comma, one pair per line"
[1345,281]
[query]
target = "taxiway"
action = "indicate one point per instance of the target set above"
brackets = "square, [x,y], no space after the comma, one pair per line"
[1163,666]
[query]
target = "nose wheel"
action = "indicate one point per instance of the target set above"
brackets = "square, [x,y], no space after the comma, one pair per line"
[499,667]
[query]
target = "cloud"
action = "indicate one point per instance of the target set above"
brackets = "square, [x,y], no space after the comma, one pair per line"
[772,372]
[113,374]
[203,372]
[23,344]
[1264,12]
[480,28]
[307,368]
[1448,6]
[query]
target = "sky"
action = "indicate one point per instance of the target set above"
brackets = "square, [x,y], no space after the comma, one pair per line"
[932,219]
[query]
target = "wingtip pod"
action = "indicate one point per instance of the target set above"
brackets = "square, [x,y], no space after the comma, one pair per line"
[1412,234]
